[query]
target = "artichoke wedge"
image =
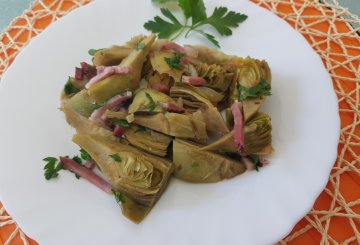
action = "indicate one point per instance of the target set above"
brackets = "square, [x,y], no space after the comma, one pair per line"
[111,56]
[258,137]
[158,62]
[148,140]
[82,103]
[212,118]
[140,176]
[217,77]
[143,99]
[192,164]
[174,124]
[117,84]
[193,97]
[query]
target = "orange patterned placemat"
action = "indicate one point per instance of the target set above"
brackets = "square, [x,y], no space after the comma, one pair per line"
[335,217]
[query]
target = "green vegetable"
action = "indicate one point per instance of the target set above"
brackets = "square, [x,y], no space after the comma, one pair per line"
[123,123]
[152,105]
[77,159]
[116,157]
[175,62]
[69,88]
[195,165]
[163,1]
[262,89]
[140,129]
[85,156]
[118,197]
[140,46]
[221,19]
[52,167]
[255,160]
[92,52]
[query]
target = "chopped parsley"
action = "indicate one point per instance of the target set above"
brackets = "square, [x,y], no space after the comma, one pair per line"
[116,157]
[140,129]
[175,62]
[123,123]
[140,46]
[77,159]
[85,155]
[118,197]
[152,104]
[52,167]
[255,160]
[92,52]
[69,88]
[262,89]
[195,165]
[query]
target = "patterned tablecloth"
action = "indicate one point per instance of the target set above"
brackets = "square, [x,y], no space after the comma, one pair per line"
[335,216]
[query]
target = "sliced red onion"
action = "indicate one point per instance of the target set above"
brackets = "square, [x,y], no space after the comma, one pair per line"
[86,173]
[195,81]
[172,107]
[79,74]
[161,88]
[173,46]
[118,131]
[184,60]
[107,72]
[238,126]
[88,70]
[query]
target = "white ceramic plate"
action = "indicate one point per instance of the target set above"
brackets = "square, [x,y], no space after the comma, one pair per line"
[254,208]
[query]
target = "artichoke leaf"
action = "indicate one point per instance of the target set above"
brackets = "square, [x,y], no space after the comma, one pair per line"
[141,176]
[111,56]
[120,83]
[82,103]
[143,99]
[149,141]
[192,164]
[158,62]
[174,124]
[213,120]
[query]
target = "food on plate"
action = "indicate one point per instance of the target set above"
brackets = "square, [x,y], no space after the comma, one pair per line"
[151,109]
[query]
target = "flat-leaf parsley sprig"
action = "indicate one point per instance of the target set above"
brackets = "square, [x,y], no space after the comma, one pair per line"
[222,20]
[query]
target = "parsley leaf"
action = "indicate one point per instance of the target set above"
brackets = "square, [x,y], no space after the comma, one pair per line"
[77,159]
[118,197]
[92,52]
[221,19]
[194,9]
[52,167]
[85,155]
[163,28]
[262,89]
[175,62]
[69,88]
[116,157]
[255,160]
[163,1]
[123,123]
[195,165]
[152,105]
[140,129]
[140,46]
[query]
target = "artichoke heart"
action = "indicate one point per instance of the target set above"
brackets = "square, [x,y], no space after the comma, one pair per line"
[137,174]
[174,124]
[217,77]
[111,56]
[257,134]
[149,141]
[192,164]
[120,83]
[158,62]
[143,99]
[82,103]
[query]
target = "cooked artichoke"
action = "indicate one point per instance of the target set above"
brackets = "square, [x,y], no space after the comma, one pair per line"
[111,56]
[212,118]
[257,133]
[149,141]
[145,97]
[159,64]
[117,84]
[216,76]
[195,165]
[137,174]
[174,124]
[82,103]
